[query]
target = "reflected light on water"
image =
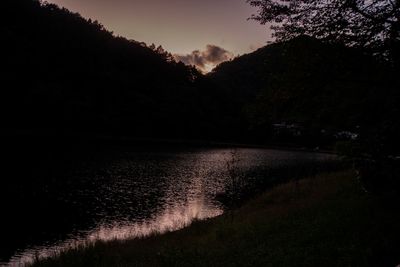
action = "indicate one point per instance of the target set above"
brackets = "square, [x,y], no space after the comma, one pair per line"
[172,219]
[141,194]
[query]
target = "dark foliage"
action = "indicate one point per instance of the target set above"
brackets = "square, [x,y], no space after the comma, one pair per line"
[372,25]
[64,73]
[379,176]
[61,71]
[319,88]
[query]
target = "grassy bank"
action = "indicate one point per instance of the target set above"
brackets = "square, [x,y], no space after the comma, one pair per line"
[327,220]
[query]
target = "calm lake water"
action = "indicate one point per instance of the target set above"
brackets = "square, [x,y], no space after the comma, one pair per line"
[52,202]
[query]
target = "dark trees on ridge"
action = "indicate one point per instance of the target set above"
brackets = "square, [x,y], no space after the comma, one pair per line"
[369,24]
[63,71]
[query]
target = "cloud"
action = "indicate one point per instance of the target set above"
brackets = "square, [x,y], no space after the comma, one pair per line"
[207,59]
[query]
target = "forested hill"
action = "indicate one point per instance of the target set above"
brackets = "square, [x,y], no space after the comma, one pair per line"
[313,85]
[61,70]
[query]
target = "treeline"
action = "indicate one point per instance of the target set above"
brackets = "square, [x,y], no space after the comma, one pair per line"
[65,72]
[305,91]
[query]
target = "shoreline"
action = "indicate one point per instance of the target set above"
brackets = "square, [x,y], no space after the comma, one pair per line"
[326,220]
[52,135]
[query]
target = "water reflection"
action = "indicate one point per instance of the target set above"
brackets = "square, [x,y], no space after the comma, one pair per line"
[172,219]
[128,195]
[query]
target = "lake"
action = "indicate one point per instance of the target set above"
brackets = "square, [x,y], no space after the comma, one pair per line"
[52,201]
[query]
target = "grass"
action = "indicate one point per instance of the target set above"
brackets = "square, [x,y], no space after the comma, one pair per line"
[326,220]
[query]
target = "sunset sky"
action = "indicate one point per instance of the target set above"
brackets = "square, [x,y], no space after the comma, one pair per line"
[180,26]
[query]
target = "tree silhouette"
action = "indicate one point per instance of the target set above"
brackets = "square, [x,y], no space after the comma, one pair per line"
[65,71]
[370,24]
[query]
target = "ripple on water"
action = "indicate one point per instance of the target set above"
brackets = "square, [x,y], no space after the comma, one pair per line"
[131,196]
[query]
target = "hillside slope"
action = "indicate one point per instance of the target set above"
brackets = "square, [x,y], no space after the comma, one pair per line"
[61,70]
[315,85]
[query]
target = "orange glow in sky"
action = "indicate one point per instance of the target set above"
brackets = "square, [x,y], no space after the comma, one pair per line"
[180,26]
